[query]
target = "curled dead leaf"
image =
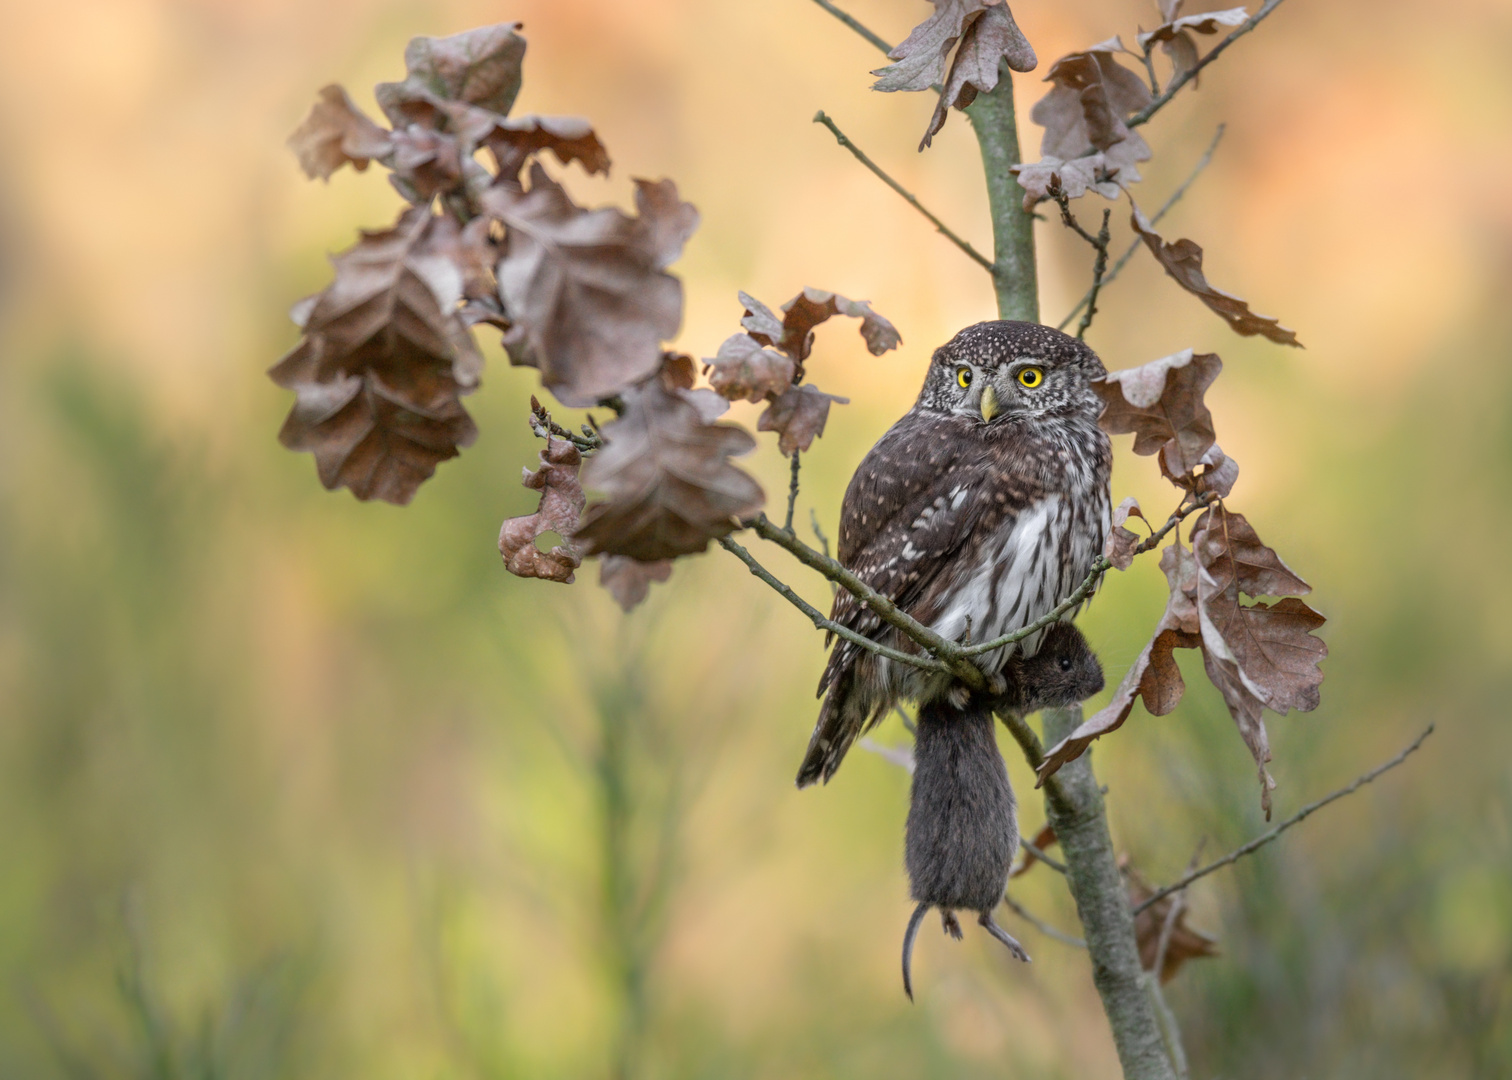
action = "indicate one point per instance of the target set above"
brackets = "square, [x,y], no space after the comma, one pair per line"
[629,580]
[798,416]
[337,133]
[561,503]
[383,363]
[1183,261]
[1162,404]
[1184,943]
[667,478]
[807,310]
[1121,542]
[477,67]
[586,292]
[743,370]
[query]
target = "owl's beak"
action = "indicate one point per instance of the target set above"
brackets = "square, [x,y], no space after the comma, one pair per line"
[989,403]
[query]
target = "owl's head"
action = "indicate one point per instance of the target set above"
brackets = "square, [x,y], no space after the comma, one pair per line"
[999,371]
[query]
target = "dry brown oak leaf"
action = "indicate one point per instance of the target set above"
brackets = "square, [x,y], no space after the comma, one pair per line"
[798,416]
[337,133]
[587,291]
[744,370]
[1183,261]
[793,334]
[986,34]
[1161,404]
[1258,654]
[1121,542]
[1185,942]
[478,67]
[668,483]
[1086,145]
[1175,35]
[628,580]
[383,364]
[562,502]
[1154,676]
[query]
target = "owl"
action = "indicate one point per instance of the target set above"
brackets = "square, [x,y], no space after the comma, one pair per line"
[978,512]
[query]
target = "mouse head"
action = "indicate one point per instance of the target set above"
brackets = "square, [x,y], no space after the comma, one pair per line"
[1063,672]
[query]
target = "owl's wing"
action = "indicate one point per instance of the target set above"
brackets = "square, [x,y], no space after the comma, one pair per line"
[915,499]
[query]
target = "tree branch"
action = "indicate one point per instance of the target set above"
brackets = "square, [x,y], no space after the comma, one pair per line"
[1042,926]
[855,24]
[1265,838]
[953,656]
[821,117]
[927,663]
[1015,277]
[1143,115]
[1175,197]
[792,492]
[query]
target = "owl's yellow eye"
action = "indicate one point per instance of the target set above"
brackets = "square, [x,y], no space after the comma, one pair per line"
[963,377]
[1030,377]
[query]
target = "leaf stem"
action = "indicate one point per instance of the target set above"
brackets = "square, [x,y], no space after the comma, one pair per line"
[855,24]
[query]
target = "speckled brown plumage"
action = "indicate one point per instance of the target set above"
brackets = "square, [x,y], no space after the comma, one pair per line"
[970,525]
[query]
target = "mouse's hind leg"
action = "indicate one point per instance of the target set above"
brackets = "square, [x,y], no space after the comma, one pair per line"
[1004,936]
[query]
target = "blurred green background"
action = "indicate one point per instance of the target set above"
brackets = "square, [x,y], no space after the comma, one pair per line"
[292,786]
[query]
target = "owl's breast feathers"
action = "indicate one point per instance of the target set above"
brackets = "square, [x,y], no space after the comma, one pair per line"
[938,515]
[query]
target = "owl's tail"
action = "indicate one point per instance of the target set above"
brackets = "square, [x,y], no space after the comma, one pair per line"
[842,717]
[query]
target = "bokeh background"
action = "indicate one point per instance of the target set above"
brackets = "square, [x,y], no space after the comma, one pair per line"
[293,786]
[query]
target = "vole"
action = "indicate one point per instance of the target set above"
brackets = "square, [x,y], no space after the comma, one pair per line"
[962,828]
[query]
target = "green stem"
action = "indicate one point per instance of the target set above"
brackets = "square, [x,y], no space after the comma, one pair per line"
[1076,811]
[1014,275]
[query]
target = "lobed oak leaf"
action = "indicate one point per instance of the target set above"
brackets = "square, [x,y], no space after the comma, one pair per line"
[1161,403]
[562,502]
[742,369]
[992,38]
[920,57]
[383,364]
[512,141]
[667,478]
[1255,654]
[1206,23]
[1218,477]
[1154,676]
[1121,542]
[586,291]
[629,580]
[808,309]
[478,67]
[1092,97]
[337,133]
[798,416]
[1184,943]
[1041,179]
[760,321]
[428,161]
[1183,261]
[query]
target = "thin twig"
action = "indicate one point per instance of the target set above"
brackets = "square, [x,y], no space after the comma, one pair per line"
[1099,567]
[792,492]
[819,533]
[1023,734]
[1175,197]
[1038,853]
[953,656]
[855,24]
[945,230]
[908,721]
[928,663]
[1143,115]
[1042,926]
[1265,838]
[1068,219]
[1177,907]
[1099,265]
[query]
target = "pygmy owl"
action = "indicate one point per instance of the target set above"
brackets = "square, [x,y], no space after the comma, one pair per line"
[978,511]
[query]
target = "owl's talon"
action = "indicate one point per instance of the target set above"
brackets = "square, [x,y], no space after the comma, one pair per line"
[997,686]
[958,695]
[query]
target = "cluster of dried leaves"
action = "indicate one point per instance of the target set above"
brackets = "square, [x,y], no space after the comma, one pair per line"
[582,295]
[980,33]
[1259,655]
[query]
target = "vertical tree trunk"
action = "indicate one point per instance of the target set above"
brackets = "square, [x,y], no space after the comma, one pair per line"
[1073,800]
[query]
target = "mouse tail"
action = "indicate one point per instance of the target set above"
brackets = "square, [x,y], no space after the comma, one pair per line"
[908,944]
